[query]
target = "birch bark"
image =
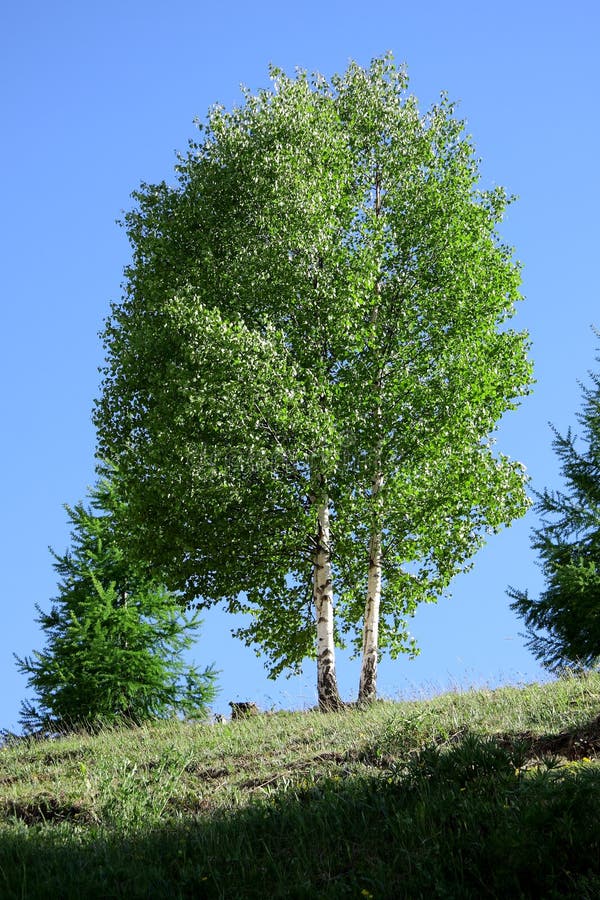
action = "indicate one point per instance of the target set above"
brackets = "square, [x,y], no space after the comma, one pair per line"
[370,646]
[367,690]
[327,689]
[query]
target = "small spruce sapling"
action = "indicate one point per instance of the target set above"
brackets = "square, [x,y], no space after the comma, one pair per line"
[114,638]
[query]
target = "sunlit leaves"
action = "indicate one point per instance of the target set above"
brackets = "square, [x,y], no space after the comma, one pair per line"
[320,300]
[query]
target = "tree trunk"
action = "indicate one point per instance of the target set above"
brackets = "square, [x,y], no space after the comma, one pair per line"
[327,689]
[367,691]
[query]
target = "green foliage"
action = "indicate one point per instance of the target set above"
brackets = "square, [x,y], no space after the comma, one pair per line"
[114,637]
[563,623]
[321,299]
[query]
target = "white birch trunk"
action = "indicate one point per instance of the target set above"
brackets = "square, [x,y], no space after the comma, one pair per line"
[327,688]
[367,690]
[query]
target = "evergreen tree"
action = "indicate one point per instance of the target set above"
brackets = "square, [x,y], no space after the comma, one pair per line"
[114,637]
[563,623]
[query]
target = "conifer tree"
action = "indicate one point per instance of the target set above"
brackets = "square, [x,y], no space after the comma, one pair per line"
[114,638]
[563,623]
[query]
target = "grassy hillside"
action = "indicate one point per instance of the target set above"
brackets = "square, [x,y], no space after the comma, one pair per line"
[479,794]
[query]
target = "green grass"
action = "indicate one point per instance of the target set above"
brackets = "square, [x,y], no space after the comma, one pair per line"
[489,793]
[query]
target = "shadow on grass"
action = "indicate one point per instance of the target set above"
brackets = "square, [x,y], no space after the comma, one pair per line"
[573,745]
[465,820]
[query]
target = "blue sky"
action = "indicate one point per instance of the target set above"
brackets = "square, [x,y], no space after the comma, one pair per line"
[98,97]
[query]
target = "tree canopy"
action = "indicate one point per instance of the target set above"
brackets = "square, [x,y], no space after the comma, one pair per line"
[308,363]
[563,623]
[114,637]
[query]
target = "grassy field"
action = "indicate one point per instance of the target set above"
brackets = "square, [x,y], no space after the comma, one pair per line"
[475,794]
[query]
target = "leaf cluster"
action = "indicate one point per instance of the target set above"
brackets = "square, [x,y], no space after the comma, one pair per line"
[318,305]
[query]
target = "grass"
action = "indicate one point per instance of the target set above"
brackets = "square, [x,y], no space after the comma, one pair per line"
[490,793]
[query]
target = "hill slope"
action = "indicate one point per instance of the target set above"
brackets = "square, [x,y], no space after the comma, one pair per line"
[478,794]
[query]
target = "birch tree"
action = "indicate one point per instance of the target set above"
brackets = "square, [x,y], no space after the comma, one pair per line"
[438,366]
[309,360]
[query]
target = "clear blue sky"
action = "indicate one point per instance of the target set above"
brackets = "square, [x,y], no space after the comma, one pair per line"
[97,97]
